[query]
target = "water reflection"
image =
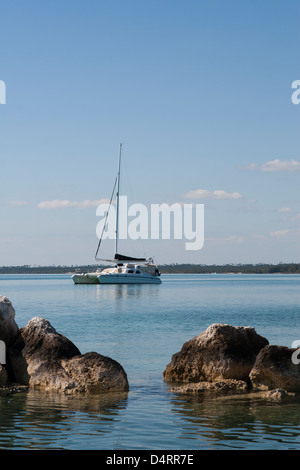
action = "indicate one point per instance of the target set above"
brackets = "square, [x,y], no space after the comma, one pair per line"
[37,420]
[239,422]
[108,292]
[125,291]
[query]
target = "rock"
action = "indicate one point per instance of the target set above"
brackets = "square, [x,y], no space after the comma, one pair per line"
[223,386]
[40,357]
[278,395]
[47,360]
[220,352]
[38,350]
[275,369]
[8,327]
[3,376]
[101,373]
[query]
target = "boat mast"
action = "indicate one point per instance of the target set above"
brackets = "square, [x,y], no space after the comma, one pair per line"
[118,193]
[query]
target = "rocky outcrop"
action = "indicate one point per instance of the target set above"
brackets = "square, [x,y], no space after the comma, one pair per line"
[38,352]
[47,360]
[220,352]
[229,359]
[9,330]
[41,358]
[275,369]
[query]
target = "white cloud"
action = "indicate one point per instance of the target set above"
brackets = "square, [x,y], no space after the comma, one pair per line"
[63,203]
[296,217]
[279,233]
[17,203]
[284,209]
[91,203]
[229,238]
[236,238]
[275,165]
[56,204]
[217,194]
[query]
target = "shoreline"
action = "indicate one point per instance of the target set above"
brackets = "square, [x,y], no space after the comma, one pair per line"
[281,268]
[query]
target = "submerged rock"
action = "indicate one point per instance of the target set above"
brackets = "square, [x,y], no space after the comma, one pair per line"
[220,352]
[278,395]
[222,386]
[274,369]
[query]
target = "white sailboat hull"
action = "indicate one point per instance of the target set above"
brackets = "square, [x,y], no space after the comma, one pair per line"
[128,279]
[85,278]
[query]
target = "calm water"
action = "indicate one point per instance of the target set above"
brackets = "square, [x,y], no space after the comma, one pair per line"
[141,327]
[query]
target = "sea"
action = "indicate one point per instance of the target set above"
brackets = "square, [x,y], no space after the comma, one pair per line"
[141,327]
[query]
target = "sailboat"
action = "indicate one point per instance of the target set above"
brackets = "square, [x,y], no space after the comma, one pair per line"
[126,269]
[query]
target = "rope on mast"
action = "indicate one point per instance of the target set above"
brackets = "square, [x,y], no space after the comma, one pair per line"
[112,194]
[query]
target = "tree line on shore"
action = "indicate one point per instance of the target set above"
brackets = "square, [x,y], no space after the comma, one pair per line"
[261,268]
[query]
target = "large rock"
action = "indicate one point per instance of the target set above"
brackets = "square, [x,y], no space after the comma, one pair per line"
[275,369]
[3,376]
[102,374]
[220,352]
[8,327]
[38,351]
[45,359]
[40,357]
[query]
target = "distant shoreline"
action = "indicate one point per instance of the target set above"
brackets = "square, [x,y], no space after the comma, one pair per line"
[261,268]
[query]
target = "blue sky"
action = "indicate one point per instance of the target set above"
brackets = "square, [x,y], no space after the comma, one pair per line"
[199,92]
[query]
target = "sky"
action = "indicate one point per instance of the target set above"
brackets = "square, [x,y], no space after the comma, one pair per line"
[199,93]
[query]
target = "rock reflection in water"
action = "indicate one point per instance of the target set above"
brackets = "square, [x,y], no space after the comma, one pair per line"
[33,419]
[239,421]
